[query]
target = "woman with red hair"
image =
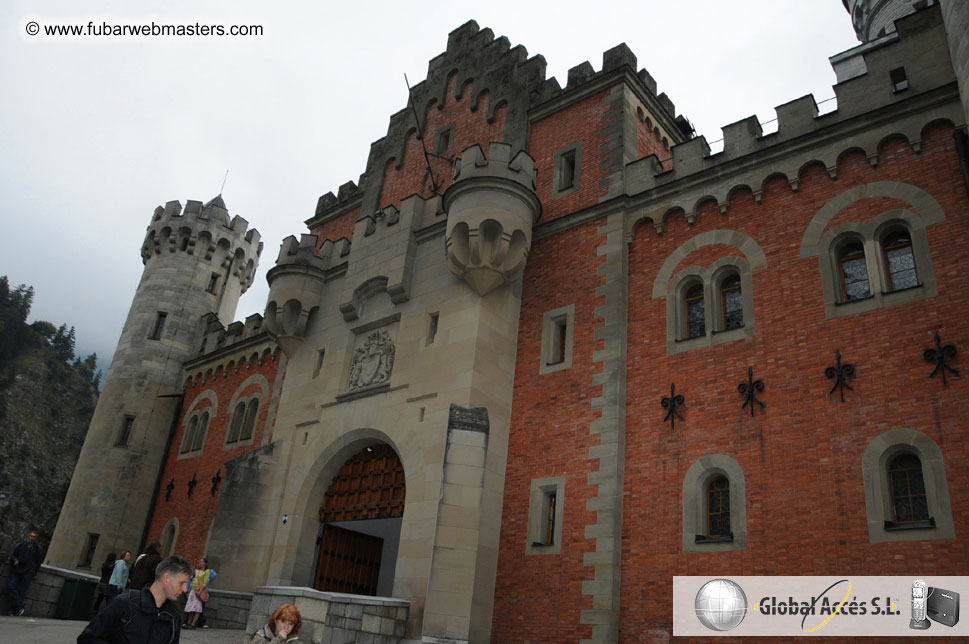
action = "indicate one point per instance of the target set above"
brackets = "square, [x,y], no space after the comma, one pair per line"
[282,627]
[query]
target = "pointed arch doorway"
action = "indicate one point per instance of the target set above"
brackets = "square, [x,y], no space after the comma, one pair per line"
[360,524]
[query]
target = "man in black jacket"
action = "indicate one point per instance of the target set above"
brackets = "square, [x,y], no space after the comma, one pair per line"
[24,564]
[148,616]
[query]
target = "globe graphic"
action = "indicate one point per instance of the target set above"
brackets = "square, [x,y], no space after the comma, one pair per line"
[720,605]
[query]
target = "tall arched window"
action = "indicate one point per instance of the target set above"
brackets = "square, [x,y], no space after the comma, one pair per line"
[189,435]
[899,260]
[909,502]
[199,439]
[718,507]
[854,271]
[731,303]
[237,419]
[695,312]
[250,420]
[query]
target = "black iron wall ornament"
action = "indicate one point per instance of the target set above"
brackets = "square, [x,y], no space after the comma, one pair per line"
[671,403]
[749,391]
[841,373]
[192,484]
[938,355]
[216,480]
[169,489]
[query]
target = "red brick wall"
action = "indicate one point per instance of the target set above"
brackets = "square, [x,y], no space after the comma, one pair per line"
[337,228]
[470,127]
[648,141]
[802,456]
[195,515]
[583,122]
[538,598]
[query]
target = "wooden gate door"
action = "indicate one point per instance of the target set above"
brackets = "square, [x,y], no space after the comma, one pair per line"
[349,561]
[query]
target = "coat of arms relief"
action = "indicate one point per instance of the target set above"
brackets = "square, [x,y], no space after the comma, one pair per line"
[372,361]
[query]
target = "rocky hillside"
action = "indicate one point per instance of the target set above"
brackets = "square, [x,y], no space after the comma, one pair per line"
[47,398]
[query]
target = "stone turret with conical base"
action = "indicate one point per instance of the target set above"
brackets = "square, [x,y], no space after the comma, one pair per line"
[196,262]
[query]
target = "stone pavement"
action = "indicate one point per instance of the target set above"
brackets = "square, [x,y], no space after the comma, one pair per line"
[35,630]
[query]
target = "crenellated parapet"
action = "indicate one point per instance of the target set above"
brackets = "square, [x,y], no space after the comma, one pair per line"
[214,337]
[207,231]
[491,210]
[296,285]
[803,138]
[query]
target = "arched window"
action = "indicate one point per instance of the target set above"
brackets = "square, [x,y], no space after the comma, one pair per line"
[731,303]
[899,260]
[718,507]
[237,419]
[199,438]
[854,271]
[909,503]
[695,312]
[189,435]
[250,420]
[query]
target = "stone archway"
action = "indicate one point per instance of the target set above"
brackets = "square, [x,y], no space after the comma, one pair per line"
[360,522]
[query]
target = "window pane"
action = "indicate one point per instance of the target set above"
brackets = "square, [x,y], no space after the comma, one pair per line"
[696,327]
[899,483]
[902,510]
[733,308]
[920,509]
[855,278]
[901,267]
[915,483]
[714,502]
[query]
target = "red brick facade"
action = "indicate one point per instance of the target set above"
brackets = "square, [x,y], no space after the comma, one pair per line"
[232,381]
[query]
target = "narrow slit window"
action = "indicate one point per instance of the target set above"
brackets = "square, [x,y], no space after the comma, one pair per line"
[156,331]
[560,327]
[443,144]
[87,556]
[432,327]
[567,170]
[319,362]
[125,433]
[546,536]
[213,282]
[899,79]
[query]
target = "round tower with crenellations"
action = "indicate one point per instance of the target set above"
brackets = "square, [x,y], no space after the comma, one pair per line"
[873,19]
[196,262]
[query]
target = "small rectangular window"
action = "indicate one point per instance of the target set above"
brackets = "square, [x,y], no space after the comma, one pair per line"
[213,282]
[899,79]
[545,511]
[125,432]
[443,143]
[432,327]
[90,546]
[557,338]
[559,330]
[319,362]
[567,170]
[156,331]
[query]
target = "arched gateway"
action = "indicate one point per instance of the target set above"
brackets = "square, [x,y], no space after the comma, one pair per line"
[360,524]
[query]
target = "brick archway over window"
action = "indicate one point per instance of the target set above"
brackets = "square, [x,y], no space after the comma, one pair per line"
[370,485]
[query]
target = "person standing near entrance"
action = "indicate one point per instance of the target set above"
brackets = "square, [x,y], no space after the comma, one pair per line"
[143,572]
[119,576]
[24,563]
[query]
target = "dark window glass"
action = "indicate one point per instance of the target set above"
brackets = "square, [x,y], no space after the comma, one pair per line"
[695,325]
[200,433]
[854,272]
[189,435]
[718,507]
[125,434]
[250,420]
[237,419]
[731,303]
[908,489]
[900,261]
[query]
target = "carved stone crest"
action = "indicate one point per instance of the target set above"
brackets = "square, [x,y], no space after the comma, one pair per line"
[373,361]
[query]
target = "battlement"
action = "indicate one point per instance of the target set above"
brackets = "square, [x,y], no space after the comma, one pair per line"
[346,193]
[213,336]
[898,70]
[205,230]
[303,252]
[499,164]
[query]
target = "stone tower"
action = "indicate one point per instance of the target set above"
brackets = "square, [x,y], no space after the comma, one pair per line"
[876,18]
[196,262]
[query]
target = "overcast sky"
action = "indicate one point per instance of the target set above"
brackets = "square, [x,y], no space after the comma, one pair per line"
[97,131]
